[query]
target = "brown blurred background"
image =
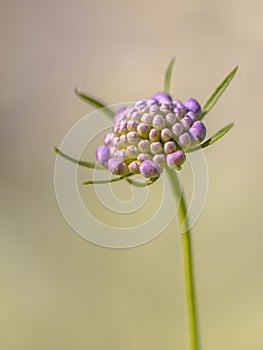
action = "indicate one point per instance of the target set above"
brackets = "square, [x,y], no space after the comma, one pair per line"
[59,291]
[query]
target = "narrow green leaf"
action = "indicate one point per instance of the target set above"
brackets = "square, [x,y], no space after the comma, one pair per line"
[99,182]
[95,102]
[142,184]
[209,104]
[220,133]
[79,162]
[168,76]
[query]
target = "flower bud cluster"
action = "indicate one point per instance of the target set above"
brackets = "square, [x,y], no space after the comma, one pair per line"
[150,135]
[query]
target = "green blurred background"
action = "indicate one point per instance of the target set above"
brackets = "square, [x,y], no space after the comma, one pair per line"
[58,291]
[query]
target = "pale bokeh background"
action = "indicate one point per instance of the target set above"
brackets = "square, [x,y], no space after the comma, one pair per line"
[59,291]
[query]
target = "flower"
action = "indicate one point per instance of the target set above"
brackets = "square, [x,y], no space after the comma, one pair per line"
[150,135]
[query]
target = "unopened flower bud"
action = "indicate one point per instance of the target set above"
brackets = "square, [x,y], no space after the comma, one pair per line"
[198,132]
[136,116]
[170,119]
[117,167]
[156,147]
[140,104]
[150,169]
[151,101]
[134,167]
[192,105]
[184,140]
[166,135]
[133,137]
[186,123]
[103,155]
[131,151]
[175,159]
[143,130]
[108,139]
[131,125]
[169,147]
[154,109]
[120,112]
[144,146]
[158,122]
[163,97]
[177,130]
[144,156]
[160,159]
[147,119]
[154,135]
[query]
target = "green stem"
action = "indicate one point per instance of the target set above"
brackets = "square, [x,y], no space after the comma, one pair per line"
[187,261]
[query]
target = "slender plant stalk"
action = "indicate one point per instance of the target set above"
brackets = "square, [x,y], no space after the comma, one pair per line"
[187,261]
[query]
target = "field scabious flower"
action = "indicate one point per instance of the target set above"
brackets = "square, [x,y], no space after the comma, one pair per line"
[152,134]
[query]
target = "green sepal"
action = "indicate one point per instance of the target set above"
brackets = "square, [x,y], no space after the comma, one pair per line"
[93,101]
[168,77]
[211,101]
[220,133]
[79,162]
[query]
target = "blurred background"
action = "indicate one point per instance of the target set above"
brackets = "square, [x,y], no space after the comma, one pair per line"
[59,291]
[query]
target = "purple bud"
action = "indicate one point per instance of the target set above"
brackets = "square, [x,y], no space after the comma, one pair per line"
[151,101]
[115,141]
[143,130]
[156,147]
[132,125]
[165,108]
[140,104]
[145,109]
[108,139]
[163,97]
[150,169]
[159,122]
[136,116]
[103,154]
[144,156]
[117,167]
[179,107]
[177,129]
[134,167]
[169,147]
[120,112]
[186,123]
[192,105]
[123,127]
[192,115]
[116,130]
[147,119]
[154,109]
[144,146]
[121,155]
[185,140]
[170,119]
[154,135]
[133,137]
[123,141]
[175,159]
[166,134]
[198,132]
[131,151]
[160,159]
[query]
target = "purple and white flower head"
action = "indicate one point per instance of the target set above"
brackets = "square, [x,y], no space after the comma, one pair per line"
[152,134]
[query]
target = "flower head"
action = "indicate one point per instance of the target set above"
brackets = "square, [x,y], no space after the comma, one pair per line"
[152,134]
